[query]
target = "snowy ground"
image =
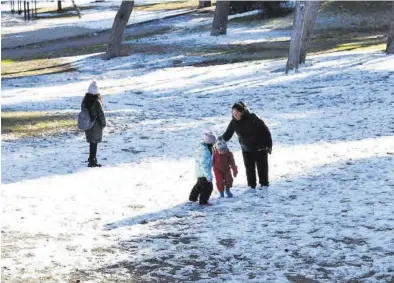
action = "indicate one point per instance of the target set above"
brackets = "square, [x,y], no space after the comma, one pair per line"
[328,215]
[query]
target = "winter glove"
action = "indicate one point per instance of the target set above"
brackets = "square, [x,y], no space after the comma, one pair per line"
[269,150]
[235,172]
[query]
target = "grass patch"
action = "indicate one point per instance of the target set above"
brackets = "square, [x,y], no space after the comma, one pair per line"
[358,46]
[168,6]
[28,124]
[346,40]
[65,9]
[150,33]
[74,51]
[57,16]
[64,52]
[248,19]
[67,12]
[323,42]
[6,62]
[353,7]
[15,69]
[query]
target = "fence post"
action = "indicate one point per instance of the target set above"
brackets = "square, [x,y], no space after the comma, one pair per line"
[28,10]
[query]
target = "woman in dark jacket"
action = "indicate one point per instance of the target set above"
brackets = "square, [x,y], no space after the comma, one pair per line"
[94,104]
[256,142]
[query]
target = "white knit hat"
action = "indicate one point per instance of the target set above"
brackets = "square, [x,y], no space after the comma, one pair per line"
[209,137]
[93,89]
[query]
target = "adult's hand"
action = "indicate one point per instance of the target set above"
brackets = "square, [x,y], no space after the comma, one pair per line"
[269,150]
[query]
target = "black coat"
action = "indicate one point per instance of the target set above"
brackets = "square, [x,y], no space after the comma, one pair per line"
[95,134]
[252,132]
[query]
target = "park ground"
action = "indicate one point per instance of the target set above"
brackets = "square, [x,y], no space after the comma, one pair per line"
[327,217]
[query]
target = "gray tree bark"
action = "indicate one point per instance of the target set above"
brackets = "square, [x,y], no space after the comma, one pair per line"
[311,13]
[204,4]
[219,25]
[390,37]
[118,27]
[295,42]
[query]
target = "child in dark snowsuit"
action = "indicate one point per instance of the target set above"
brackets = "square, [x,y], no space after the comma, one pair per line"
[202,190]
[223,160]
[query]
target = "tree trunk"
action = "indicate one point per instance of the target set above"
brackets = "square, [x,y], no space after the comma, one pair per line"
[295,42]
[59,6]
[204,4]
[118,27]
[311,12]
[390,37]
[219,25]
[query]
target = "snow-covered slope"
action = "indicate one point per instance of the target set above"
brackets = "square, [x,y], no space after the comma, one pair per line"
[328,215]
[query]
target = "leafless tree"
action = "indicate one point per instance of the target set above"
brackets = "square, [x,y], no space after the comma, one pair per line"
[219,25]
[76,8]
[295,42]
[118,27]
[204,4]
[390,37]
[311,13]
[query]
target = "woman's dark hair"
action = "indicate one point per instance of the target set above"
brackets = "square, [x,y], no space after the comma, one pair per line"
[89,99]
[210,147]
[240,106]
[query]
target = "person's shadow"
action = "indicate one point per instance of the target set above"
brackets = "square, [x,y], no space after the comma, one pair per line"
[178,211]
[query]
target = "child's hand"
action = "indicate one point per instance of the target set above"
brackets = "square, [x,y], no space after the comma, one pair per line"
[235,172]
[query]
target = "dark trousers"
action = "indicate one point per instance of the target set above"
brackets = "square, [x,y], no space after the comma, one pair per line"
[257,159]
[202,190]
[92,151]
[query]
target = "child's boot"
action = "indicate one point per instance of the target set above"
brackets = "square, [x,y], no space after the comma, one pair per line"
[222,194]
[228,193]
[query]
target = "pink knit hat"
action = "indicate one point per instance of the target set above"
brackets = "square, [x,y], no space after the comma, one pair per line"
[209,137]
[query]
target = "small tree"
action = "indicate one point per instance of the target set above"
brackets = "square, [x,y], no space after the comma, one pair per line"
[204,4]
[76,8]
[118,27]
[311,13]
[219,25]
[295,42]
[390,37]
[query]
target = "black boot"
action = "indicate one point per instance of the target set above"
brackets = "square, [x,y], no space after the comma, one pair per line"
[93,163]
